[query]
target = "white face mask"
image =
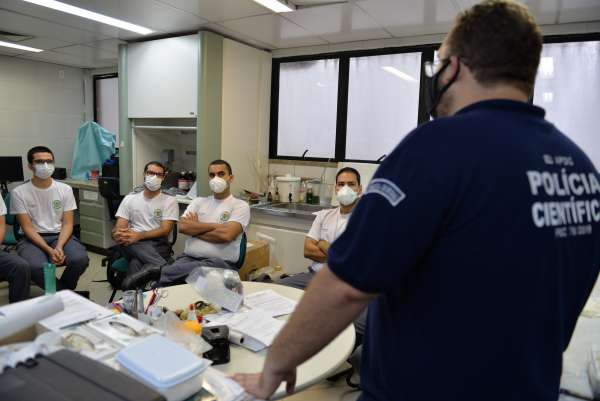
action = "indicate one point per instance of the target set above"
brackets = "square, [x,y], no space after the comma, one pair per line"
[346,196]
[152,182]
[217,185]
[43,171]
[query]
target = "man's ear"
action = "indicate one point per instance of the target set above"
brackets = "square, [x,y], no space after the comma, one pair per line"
[448,74]
[359,189]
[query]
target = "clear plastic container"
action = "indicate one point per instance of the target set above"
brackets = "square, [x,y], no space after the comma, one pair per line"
[177,374]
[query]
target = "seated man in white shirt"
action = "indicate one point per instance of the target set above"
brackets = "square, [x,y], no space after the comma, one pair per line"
[328,225]
[13,268]
[215,225]
[145,220]
[44,209]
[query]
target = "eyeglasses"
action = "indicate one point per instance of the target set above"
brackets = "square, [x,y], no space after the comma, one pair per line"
[433,67]
[155,174]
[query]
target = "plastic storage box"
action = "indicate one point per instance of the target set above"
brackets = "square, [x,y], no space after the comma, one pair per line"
[165,366]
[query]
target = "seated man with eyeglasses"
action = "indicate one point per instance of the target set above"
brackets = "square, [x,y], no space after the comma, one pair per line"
[44,209]
[144,221]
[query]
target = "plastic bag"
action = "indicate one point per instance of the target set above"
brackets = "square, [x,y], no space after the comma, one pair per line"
[221,287]
[174,330]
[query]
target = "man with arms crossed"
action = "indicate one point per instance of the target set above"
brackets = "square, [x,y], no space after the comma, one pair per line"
[145,220]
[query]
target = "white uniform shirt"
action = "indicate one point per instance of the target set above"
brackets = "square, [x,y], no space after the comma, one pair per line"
[211,210]
[328,225]
[2,207]
[45,207]
[147,214]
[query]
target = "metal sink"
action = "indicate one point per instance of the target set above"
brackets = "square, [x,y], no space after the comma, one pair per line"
[290,209]
[295,206]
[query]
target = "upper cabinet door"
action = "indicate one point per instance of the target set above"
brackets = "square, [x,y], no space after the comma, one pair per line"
[162,78]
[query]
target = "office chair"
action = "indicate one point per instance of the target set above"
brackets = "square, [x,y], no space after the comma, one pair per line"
[11,238]
[117,265]
[109,189]
[242,258]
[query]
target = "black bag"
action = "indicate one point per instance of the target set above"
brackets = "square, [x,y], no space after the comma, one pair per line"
[68,376]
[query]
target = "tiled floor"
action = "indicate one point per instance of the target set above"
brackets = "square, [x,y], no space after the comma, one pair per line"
[100,293]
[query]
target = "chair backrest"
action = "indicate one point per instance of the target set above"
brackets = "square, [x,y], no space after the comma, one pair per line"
[109,189]
[174,234]
[242,257]
[11,219]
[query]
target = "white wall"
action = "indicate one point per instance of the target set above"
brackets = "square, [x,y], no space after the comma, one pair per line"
[245,114]
[40,104]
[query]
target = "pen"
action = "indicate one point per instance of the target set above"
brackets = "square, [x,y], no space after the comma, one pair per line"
[68,326]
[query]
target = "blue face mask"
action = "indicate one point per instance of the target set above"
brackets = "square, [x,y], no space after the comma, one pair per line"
[434,93]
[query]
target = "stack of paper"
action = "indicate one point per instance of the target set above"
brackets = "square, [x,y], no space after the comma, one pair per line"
[251,328]
[222,387]
[77,310]
[270,303]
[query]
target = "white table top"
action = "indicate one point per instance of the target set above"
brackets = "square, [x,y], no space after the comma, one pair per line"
[316,369]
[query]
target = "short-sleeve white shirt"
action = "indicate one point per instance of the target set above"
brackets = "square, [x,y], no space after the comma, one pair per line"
[45,207]
[328,225]
[147,214]
[211,210]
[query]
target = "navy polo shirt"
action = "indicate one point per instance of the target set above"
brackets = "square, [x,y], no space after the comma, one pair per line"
[481,235]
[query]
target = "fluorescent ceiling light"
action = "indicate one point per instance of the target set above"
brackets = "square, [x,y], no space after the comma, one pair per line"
[80,12]
[398,73]
[20,47]
[278,6]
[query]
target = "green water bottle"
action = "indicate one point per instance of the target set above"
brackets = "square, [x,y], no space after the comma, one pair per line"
[50,278]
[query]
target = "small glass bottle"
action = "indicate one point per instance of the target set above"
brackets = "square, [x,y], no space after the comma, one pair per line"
[276,197]
[309,194]
[302,192]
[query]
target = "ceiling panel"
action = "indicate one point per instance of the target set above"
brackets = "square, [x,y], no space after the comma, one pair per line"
[544,11]
[44,43]
[219,10]
[338,23]
[579,11]
[111,45]
[274,30]
[89,53]
[411,17]
[55,57]
[7,51]
[148,13]
[224,31]
[26,25]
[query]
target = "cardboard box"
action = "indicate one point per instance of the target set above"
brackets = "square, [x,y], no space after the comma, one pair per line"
[257,256]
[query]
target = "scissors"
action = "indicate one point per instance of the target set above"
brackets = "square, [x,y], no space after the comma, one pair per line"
[160,294]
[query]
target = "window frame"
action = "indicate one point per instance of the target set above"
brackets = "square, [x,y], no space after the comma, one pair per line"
[427,52]
[97,78]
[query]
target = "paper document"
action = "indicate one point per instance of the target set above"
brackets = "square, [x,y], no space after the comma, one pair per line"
[252,328]
[122,329]
[77,310]
[222,387]
[270,302]
[21,315]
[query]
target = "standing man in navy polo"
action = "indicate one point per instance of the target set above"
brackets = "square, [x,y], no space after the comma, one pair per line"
[476,244]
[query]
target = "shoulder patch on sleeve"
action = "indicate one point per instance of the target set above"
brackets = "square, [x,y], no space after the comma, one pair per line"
[387,189]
